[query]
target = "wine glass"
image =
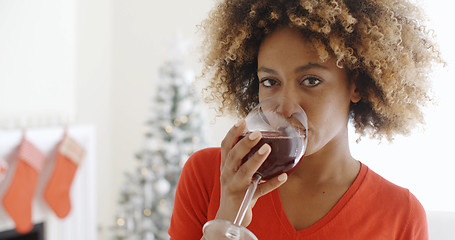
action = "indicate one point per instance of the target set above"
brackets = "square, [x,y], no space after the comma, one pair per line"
[283,125]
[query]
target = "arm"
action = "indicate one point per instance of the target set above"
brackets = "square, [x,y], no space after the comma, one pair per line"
[416,226]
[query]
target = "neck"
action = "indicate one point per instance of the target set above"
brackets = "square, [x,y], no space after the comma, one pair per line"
[332,163]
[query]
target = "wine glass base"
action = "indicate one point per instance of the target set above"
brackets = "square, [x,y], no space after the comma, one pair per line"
[222,229]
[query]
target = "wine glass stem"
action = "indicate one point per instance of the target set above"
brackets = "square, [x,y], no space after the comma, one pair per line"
[247,199]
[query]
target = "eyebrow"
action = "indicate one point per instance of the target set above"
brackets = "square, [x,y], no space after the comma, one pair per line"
[299,69]
[310,66]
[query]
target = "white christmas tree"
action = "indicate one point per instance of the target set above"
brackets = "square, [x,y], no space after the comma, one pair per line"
[174,130]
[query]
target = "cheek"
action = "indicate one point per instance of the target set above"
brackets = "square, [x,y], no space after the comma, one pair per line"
[266,92]
[324,121]
[261,95]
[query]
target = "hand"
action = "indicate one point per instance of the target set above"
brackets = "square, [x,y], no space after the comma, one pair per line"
[235,177]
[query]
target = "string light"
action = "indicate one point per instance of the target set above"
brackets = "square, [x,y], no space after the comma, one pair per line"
[184,119]
[168,129]
[176,122]
[120,222]
[147,212]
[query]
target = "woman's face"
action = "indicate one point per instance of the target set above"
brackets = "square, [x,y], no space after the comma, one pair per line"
[289,66]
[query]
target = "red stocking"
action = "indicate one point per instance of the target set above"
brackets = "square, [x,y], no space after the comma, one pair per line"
[57,192]
[18,198]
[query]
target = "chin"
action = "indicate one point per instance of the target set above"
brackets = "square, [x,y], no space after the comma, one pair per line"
[309,150]
[311,143]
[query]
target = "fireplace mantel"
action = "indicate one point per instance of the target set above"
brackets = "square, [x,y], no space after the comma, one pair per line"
[81,222]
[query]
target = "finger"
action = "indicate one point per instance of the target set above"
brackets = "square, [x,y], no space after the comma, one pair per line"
[247,170]
[270,185]
[230,140]
[240,150]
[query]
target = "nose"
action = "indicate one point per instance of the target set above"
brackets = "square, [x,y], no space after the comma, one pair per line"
[290,96]
[293,112]
[287,107]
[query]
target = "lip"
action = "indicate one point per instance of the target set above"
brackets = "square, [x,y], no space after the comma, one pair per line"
[308,132]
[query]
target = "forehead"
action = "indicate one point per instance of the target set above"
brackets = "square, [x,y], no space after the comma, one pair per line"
[285,43]
[287,48]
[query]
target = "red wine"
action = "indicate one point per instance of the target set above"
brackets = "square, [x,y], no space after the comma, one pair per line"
[284,157]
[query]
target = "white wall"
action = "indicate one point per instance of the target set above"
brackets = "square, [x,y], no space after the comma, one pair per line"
[94,47]
[37,61]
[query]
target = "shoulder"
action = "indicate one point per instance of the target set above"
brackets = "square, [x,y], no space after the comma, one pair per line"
[383,185]
[202,167]
[383,189]
[207,158]
[214,152]
[393,192]
[198,182]
[397,204]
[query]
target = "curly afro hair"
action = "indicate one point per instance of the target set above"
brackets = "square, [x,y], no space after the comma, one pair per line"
[381,43]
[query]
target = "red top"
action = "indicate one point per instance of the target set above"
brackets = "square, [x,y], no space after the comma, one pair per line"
[372,208]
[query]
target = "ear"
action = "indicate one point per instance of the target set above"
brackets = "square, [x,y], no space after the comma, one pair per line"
[355,96]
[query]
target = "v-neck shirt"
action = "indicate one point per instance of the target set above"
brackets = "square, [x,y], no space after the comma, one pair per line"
[371,208]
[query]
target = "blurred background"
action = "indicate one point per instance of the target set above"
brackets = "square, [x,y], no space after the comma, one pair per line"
[95,64]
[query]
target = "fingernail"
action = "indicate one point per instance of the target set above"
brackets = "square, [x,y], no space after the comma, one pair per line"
[254,135]
[282,177]
[263,149]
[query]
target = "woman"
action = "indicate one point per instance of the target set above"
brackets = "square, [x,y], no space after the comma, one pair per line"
[364,61]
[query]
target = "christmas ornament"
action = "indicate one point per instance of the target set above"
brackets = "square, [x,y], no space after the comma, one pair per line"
[162,187]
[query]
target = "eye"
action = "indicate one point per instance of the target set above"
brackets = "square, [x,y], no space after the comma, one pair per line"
[267,82]
[311,81]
